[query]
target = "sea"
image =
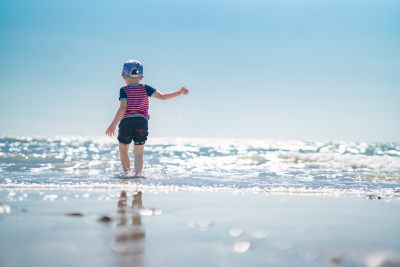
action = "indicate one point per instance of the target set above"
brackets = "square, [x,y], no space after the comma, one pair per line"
[288,166]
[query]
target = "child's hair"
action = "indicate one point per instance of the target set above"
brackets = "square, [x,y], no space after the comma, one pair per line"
[132,69]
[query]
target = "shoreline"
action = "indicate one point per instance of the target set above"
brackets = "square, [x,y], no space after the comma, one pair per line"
[393,193]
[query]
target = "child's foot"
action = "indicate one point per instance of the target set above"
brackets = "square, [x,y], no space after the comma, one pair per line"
[138,175]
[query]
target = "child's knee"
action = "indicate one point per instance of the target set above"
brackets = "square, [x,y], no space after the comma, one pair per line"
[123,148]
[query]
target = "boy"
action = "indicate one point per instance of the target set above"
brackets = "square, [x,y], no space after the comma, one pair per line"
[133,115]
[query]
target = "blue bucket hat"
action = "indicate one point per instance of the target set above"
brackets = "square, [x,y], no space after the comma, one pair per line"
[132,68]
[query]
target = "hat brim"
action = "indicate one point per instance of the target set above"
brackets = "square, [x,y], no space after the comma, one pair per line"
[132,76]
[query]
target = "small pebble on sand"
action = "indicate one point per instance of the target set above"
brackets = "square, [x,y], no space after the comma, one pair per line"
[105,219]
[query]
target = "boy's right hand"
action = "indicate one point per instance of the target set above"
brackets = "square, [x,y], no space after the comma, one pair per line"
[110,130]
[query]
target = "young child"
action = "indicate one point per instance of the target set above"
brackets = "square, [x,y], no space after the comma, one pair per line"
[133,115]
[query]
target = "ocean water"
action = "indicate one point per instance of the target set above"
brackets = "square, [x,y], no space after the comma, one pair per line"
[205,164]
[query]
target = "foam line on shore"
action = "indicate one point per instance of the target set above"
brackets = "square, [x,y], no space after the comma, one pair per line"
[371,194]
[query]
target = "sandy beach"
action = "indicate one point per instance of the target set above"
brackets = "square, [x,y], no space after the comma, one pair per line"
[158,228]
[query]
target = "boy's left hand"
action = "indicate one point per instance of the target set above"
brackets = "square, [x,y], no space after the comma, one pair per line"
[110,131]
[184,91]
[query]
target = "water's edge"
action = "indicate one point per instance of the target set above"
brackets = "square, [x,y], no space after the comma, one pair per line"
[205,164]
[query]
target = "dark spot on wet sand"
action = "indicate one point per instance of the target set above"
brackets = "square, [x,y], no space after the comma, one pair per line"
[335,260]
[105,219]
[372,197]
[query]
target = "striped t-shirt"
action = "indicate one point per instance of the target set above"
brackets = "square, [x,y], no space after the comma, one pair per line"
[138,99]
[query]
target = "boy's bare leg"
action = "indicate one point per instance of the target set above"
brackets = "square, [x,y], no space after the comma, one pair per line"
[138,151]
[123,154]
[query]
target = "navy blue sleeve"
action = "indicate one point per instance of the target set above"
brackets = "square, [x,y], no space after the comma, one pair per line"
[122,94]
[150,90]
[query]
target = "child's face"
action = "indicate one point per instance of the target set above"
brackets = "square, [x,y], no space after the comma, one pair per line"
[129,80]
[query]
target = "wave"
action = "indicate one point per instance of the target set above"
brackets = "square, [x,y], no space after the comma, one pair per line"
[224,163]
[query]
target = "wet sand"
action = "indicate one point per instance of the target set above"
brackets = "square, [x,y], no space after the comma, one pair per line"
[150,228]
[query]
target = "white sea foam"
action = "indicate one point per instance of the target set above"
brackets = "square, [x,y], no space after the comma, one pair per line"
[206,164]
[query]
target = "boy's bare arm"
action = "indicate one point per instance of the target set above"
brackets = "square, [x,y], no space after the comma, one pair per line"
[182,91]
[118,117]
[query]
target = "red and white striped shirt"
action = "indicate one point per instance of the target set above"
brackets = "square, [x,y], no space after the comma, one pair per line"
[137,96]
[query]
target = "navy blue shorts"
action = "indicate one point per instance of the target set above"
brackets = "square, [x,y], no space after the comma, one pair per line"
[135,128]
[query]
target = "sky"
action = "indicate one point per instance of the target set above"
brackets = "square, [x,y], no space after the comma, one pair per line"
[309,70]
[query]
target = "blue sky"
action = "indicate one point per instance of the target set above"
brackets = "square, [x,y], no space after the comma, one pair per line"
[316,70]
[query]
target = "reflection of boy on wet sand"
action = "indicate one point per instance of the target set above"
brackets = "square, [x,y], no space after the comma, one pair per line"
[128,241]
[129,238]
